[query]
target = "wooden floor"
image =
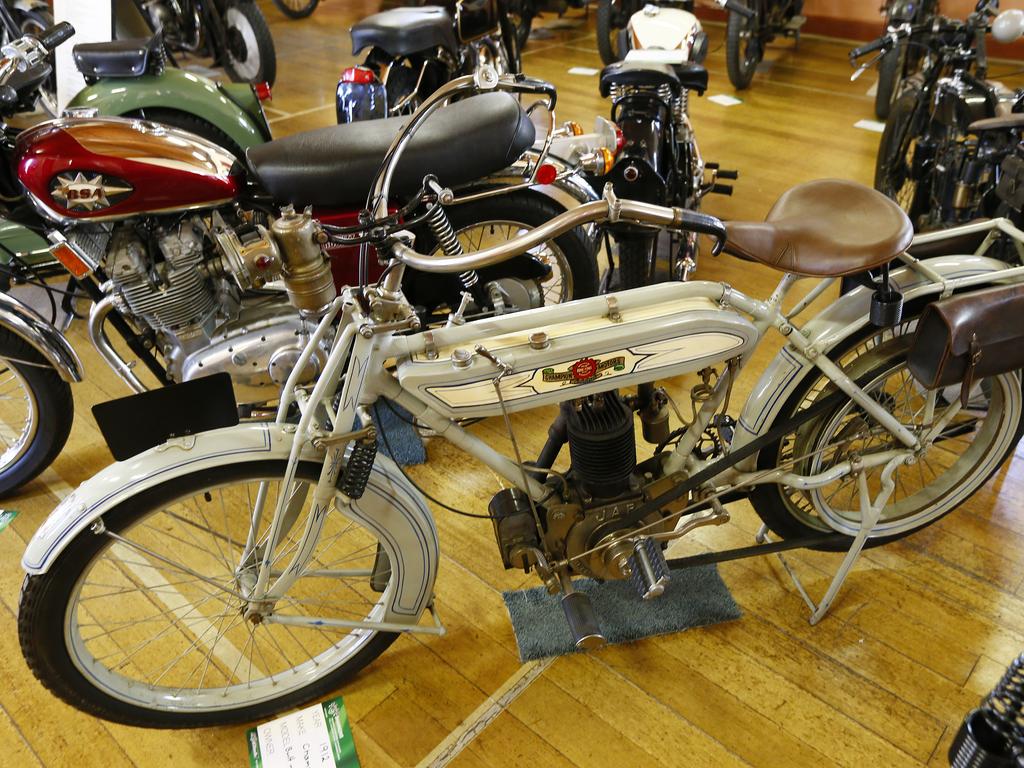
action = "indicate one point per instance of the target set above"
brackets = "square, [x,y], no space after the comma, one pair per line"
[922,630]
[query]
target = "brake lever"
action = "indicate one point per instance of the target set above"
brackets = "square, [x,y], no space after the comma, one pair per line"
[866,66]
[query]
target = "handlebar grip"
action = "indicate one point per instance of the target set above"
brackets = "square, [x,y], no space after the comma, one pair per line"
[703,224]
[874,45]
[739,8]
[56,35]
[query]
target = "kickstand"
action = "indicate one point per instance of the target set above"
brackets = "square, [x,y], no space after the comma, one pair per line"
[871,512]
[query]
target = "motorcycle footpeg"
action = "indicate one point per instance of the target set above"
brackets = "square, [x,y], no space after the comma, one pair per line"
[357,470]
[579,612]
[648,570]
[727,175]
[721,189]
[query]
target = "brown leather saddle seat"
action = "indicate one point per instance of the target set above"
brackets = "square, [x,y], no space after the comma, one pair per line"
[825,228]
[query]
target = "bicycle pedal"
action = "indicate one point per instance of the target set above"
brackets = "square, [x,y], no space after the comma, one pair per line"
[357,470]
[648,569]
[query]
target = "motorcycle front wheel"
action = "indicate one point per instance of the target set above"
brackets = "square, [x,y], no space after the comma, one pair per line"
[742,48]
[141,621]
[966,454]
[897,176]
[296,9]
[36,412]
[250,56]
[612,18]
[890,75]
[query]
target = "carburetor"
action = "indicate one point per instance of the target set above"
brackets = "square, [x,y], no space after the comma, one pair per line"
[306,269]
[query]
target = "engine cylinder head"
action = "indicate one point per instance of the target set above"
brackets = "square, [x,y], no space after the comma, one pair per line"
[601,444]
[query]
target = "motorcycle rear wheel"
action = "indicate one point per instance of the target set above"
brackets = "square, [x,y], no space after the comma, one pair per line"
[139,629]
[973,448]
[494,219]
[36,412]
[250,56]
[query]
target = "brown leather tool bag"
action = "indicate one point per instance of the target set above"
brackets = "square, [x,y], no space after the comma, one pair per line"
[969,337]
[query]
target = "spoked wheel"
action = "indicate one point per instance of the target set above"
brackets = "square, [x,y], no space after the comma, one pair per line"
[612,18]
[296,9]
[895,174]
[742,48]
[951,468]
[250,55]
[36,413]
[637,261]
[890,76]
[141,619]
[568,260]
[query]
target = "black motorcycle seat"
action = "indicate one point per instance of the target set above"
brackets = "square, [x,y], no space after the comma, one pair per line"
[120,58]
[1009,122]
[335,166]
[401,31]
[633,74]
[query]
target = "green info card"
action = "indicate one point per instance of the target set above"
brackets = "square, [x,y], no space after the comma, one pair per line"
[314,737]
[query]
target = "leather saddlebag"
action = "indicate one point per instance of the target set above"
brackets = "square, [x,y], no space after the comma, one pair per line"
[968,337]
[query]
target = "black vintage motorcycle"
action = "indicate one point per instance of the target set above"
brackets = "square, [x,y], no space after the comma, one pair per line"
[945,133]
[233,33]
[523,12]
[414,51]
[659,162]
[749,32]
[904,59]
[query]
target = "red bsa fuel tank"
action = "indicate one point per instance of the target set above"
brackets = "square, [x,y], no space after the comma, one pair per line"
[99,169]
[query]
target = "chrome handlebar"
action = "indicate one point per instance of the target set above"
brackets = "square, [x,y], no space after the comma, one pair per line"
[609,208]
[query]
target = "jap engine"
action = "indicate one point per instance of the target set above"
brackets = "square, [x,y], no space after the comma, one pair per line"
[197,291]
[592,505]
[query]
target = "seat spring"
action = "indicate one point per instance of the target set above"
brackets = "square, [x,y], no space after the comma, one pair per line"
[441,227]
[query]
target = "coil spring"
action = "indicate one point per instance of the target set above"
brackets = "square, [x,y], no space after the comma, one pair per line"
[356,475]
[445,235]
[1004,707]
[679,104]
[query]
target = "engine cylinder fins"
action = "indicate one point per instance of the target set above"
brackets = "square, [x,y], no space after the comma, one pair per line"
[648,570]
[582,620]
[601,444]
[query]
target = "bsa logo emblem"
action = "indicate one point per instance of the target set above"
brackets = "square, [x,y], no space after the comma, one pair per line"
[77,191]
[582,371]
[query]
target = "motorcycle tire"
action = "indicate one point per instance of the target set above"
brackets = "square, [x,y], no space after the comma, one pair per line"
[637,261]
[50,412]
[894,176]
[192,124]
[53,647]
[33,23]
[296,9]
[878,356]
[571,255]
[250,56]
[890,75]
[742,55]
[520,14]
[612,17]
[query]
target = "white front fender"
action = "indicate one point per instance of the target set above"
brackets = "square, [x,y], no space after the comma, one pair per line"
[391,507]
[844,317]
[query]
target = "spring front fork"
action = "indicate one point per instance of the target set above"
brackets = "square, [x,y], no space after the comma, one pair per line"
[441,228]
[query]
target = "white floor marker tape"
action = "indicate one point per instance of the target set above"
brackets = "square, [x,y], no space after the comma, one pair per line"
[873,90]
[484,715]
[587,71]
[724,100]
[870,125]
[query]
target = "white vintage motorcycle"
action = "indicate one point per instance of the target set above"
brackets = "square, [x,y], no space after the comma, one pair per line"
[228,575]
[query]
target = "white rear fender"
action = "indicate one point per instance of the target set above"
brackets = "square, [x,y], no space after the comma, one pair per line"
[844,317]
[391,506]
